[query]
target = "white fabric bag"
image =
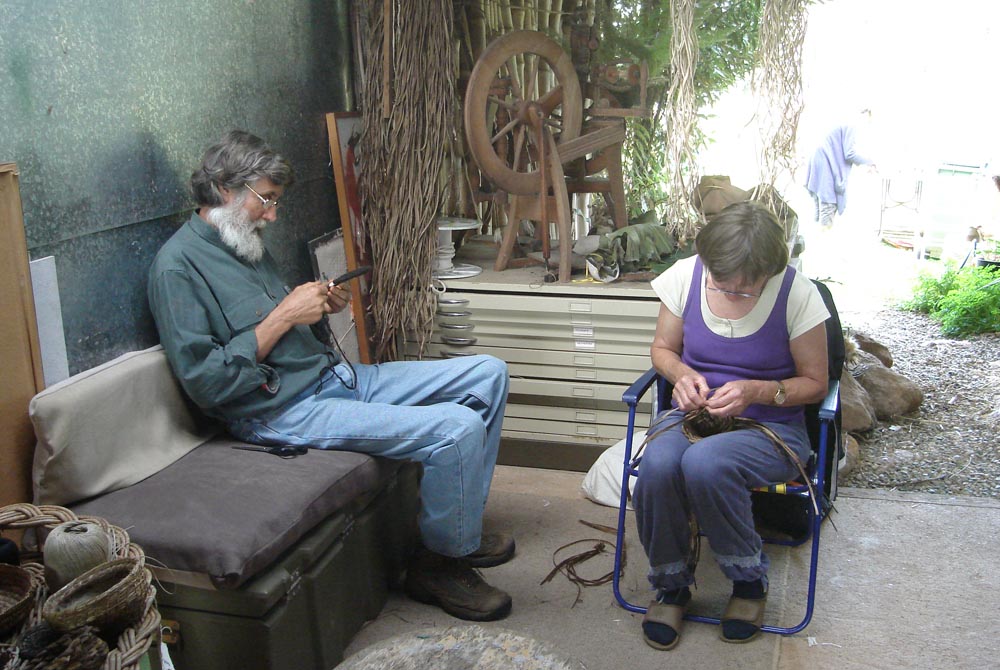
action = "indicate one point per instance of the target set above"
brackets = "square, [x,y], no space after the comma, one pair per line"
[603,482]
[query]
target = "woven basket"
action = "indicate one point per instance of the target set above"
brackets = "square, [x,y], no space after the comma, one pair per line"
[17,590]
[135,640]
[109,597]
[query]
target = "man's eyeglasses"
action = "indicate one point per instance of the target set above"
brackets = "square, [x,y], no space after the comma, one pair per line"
[735,294]
[266,203]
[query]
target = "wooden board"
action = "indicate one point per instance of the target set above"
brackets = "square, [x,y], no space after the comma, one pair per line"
[20,355]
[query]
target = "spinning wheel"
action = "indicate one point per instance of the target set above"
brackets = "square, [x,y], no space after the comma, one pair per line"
[522,79]
[523,116]
[523,120]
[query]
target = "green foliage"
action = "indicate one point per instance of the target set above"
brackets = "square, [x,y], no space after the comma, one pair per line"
[641,30]
[931,290]
[963,301]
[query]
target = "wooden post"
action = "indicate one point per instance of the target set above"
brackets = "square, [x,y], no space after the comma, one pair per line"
[20,353]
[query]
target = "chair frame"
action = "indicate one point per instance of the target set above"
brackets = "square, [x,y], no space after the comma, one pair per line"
[827,412]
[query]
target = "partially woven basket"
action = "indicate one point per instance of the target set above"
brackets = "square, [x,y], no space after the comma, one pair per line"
[136,639]
[17,590]
[108,597]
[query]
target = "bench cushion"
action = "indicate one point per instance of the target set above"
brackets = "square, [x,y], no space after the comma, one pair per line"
[229,513]
[110,427]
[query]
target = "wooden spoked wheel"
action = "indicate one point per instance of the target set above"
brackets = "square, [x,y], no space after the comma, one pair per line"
[522,81]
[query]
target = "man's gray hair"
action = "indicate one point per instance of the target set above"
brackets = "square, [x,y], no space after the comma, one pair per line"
[239,157]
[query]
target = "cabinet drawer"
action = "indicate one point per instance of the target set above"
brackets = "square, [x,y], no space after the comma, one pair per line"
[567,365]
[575,415]
[566,428]
[526,338]
[553,438]
[547,305]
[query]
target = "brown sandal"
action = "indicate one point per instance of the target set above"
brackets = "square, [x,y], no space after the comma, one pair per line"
[745,610]
[670,616]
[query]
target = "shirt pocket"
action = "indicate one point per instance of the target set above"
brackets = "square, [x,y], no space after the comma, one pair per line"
[245,314]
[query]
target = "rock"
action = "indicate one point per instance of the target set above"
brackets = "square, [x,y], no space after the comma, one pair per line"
[877,349]
[892,394]
[856,405]
[850,461]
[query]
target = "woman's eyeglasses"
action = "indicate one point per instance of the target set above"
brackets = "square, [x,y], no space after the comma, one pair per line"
[735,294]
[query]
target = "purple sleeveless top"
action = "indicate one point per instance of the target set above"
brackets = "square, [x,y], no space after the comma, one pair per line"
[765,354]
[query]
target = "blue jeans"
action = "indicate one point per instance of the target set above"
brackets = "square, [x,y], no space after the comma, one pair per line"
[710,478]
[445,414]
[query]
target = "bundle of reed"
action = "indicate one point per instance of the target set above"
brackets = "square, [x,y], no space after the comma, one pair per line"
[407,112]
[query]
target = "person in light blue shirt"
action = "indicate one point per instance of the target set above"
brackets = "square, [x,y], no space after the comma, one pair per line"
[830,167]
[240,341]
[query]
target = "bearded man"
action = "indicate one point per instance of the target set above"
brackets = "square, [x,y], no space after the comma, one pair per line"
[239,341]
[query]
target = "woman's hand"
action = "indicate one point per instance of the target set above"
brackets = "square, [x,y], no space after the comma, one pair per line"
[690,391]
[732,398]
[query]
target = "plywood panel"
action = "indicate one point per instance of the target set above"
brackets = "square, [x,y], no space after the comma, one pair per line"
[20,358]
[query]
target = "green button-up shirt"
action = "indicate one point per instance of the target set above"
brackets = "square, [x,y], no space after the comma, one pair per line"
[207,302]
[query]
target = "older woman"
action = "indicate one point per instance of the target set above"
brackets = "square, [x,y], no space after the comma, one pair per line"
[740,333]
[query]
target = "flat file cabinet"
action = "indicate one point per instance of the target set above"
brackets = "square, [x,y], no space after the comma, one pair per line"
[572,350]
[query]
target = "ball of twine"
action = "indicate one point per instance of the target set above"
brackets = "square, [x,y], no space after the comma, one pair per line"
[72,548]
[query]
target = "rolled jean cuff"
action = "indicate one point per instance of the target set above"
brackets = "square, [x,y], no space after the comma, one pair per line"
[671,576]
[744,568]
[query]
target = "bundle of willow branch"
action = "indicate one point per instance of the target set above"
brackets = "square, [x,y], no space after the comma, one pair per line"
[407,109]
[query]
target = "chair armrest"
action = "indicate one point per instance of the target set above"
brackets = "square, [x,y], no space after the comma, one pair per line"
[831,403]
[639,387]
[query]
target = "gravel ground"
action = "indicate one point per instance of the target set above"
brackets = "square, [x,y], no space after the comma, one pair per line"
[949,445]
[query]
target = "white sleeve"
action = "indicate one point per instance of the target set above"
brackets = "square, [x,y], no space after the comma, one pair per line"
[806,308]
[673,285]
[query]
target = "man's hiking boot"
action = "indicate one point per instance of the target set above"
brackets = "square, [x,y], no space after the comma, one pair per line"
[494,549]
[454,586]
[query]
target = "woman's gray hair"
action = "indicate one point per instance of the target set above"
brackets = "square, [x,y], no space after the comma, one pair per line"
[743,242]
[239,157]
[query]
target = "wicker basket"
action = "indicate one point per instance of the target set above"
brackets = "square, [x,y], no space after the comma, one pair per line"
[17,590]
[109,597]
[134,641]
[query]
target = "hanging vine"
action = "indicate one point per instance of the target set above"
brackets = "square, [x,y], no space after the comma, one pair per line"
[777,86]
[726,39]
[681,217]
[407,111]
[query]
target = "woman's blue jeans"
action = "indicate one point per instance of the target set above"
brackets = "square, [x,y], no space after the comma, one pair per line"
[445,414]
[710,479]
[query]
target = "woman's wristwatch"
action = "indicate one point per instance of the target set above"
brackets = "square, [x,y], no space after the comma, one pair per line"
[780,395]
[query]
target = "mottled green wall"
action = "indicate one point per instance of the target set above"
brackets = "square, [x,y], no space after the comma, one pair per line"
[106,106]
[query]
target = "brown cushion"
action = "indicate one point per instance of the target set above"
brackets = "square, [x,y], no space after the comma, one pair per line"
[229,513]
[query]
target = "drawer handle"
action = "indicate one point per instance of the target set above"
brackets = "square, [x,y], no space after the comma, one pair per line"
[463,314]
[458,326]
[459,341]
[453,301]
[457,354]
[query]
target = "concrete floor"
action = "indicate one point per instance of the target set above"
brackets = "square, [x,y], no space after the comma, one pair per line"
[906,581]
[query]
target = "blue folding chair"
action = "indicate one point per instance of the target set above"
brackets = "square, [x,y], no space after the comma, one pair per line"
[822,420]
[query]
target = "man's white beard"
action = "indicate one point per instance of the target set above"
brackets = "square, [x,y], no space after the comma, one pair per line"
[237,231]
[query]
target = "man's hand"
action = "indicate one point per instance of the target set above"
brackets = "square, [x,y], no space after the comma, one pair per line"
[337,298]
[306,304]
